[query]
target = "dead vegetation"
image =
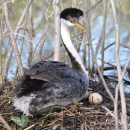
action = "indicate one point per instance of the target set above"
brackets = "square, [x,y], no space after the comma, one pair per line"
[81,116]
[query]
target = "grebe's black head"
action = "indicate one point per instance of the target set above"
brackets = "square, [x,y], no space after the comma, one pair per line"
[72,15]
[71,12]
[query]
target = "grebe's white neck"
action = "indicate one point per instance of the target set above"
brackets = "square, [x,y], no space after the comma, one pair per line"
[74,56]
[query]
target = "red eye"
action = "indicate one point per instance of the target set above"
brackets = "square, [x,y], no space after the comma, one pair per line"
[71,19]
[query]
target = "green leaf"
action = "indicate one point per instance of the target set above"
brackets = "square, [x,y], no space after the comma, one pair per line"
[44,119]
[20,121]
[42,122]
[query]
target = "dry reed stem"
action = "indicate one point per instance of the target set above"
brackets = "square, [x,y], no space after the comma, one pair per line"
[100,74]
[93,6]
[14,45]
[102,35]
[56,7]
[119,83]
[31,35]
[85,34]
[42,42]
[0,50]
[124,71]
[5,123]
[123,102]
[105,3]
[30,126]
[125,46]
[111,114]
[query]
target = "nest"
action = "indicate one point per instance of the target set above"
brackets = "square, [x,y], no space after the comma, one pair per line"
[81,116]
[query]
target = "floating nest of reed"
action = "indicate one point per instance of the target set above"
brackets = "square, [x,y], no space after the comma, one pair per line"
[81,116]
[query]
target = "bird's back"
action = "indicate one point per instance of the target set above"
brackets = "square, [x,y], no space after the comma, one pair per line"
[51,83]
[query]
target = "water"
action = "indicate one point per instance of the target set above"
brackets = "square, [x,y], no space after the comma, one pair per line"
[41,9]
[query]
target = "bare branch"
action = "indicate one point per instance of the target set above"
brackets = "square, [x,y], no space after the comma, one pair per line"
[123,102]
[5,123]
[93,6]
[1,51]
[100,74]
[56,4]
[88,32]
[116,93]
[9,55]
[110,113]
[42,42]
[31,34]
[104,33]
[14,45]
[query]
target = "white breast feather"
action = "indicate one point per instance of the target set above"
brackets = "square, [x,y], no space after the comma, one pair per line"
[23,103]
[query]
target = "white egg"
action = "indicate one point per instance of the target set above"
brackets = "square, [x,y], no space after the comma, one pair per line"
[95,98]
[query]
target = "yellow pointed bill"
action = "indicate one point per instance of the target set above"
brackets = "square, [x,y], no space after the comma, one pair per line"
[78,25]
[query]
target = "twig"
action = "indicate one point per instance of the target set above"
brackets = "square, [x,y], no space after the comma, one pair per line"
[93,6]
[56,6]
[103,33]
[30,126]
[5,123]
[42,42]
[1,50]
[31,35]
[123,102]
[6,114]
[21,48]
[100,74]
[9,55]
[87,34]
[117,88]
[111,113]
[14,45]
[109,63]
[123,45]
[69,111]
[124,71]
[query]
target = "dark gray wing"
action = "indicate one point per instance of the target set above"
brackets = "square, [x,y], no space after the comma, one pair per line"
[54,77]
